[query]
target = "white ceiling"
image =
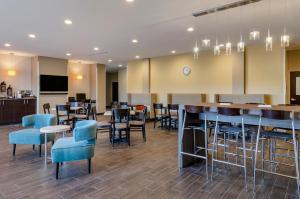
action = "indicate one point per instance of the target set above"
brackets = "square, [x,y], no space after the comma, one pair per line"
[159,25]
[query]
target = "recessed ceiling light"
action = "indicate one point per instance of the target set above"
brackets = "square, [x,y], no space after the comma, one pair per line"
[173,51]
[190,29]
[129,1]
[120,65]
[137,57]
[31,36]
[96,49]
[68,54]
[110,60]
[68,22]
[7,45]
[134,41]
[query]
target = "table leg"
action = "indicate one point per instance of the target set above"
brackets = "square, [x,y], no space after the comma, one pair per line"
[45,148]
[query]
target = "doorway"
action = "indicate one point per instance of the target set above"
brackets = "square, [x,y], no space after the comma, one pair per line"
[115,91]
[295,87]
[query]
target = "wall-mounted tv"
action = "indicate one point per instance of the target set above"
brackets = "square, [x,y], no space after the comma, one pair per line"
[53,84]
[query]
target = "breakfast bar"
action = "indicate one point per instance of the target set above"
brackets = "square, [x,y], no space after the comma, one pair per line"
[251,116]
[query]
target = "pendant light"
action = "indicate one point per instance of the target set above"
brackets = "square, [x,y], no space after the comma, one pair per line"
[228,48]
[196,51]
[285,38]
[217,49]
[269,42]
[241,45]
[206,43]
[254,34]
[269,38]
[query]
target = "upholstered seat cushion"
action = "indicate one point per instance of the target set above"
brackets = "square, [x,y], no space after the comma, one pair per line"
[136,123]
[274,134]
[103,124]
[120,125]
[65,118]
[80,116]
[29,136]
[162,115]
[67,149]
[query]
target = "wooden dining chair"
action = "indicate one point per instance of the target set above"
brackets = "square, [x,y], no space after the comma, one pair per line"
[120,123]
[139,123]
[160,115]
[63,114]
[46,108]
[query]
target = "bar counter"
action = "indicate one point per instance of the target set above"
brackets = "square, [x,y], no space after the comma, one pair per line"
[250,116]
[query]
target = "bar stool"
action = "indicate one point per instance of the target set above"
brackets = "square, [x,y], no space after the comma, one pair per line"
[197,126]
[267,118]
[233,114]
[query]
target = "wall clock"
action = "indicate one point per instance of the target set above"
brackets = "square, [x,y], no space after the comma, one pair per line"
[186,70]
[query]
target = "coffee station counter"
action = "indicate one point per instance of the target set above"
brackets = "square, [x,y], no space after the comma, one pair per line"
[12,110]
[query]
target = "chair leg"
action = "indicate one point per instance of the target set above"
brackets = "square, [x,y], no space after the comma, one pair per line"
[128,137]
[144,133]
[89,165]
[33,147]
[52,142]
[57,170]
[14,149]
[40,150]
[154,122]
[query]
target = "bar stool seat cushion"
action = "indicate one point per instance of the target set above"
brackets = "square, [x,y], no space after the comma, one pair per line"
[273,134]
[120,126]
[103,124]
[232,129]
[136,123]
[29,136]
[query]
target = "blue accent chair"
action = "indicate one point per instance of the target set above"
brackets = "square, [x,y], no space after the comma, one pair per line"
[79,147]
[32,135]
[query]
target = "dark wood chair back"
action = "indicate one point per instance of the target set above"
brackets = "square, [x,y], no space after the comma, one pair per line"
[46,108]
[158,109]
[63,108]
[229,111]
[71,99]
[120,115]
[193,109]
[275,114]
[94,113]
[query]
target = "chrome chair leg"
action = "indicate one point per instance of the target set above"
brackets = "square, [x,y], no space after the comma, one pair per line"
[206,146]
[213,148]
[256,153]
[296,152]
[244,153]
[236,148]
[262,155]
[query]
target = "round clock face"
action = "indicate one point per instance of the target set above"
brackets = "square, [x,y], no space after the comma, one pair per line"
[186,70]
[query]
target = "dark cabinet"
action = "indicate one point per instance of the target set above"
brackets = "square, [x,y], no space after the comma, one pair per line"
[12,110]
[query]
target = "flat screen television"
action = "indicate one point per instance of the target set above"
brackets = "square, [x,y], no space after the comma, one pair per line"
[53,84]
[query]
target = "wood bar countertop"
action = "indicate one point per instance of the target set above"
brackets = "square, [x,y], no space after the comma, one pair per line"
[290,108]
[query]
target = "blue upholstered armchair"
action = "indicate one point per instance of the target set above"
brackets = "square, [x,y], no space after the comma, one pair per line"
[32,135]
[79,147]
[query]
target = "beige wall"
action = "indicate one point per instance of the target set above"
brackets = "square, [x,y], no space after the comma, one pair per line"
[110,78]
[22,66]
[292,64]
[265,72]
[209,74]
[122,79]
[138,74]
[52,66]
[101,88]
[79,85]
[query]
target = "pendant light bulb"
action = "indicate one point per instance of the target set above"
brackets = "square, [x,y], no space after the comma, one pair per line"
[254,35]
[206,43]
[228,48]
[217,49]
[285,39]
[241,45]
[269,42]
[196,51]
